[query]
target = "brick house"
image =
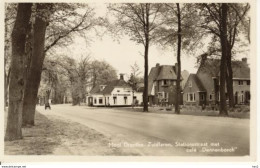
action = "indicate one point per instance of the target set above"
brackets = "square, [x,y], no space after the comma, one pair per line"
[162,85]
[203,87]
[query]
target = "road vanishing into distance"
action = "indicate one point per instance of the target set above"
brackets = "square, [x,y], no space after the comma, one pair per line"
[155,134]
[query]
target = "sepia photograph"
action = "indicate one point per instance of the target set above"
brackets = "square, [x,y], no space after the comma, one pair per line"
[129,79]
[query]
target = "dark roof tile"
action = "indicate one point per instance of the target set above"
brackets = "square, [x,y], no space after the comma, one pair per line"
[199,84]
[167,72]
[109,87]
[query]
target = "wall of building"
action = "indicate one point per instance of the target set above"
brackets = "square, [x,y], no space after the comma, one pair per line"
[139,97]
[240,90]
[194,102]
[119,97]
[191,90]
[169,88]
[208,83]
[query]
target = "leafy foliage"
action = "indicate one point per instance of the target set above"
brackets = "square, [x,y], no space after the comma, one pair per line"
[131,19]
[191,35]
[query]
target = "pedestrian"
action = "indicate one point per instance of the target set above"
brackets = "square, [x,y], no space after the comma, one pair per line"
[47,105]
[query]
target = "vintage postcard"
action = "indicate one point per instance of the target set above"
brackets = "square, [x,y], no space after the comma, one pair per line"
[128,81]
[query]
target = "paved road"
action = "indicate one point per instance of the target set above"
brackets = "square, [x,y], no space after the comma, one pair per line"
[161,134]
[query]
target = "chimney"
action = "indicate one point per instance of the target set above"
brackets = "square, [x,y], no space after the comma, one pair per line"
[244,60]
[157,65]
[121,76]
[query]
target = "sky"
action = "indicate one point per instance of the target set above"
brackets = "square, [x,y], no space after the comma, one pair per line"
[123,53]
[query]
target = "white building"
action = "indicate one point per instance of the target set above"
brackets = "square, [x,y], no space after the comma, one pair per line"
[114,93]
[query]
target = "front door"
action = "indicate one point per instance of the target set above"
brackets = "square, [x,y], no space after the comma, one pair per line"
[90,101]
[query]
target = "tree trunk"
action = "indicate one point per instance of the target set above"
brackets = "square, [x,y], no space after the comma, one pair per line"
[229,78]
[177,108]
[146,50]
[145,93]
[230,75]
[5,90]
[16,88]
[6,74]
[34,77]
[216,89]
[6,80]
[223,64]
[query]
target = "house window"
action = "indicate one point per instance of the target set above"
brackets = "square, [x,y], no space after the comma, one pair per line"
[190,84]
[164,82]
[160,95]
[115,100]
[118,90]
[191,97]
[248,82]
[240,82]
[125,98]
[100,100]
[247,96]
[95,101]
[210,96]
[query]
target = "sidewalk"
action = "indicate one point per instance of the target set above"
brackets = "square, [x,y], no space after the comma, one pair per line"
[53,135]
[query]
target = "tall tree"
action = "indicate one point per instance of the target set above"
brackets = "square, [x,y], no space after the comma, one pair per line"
[177,108]
[180,32]
[140,22]
[101,72]
[223,63]
[10,16]
[212,22]
[236,15]
[58,33]
[16,88]
[43,12]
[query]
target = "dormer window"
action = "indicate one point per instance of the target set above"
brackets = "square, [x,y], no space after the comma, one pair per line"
[102,87]
[164,82]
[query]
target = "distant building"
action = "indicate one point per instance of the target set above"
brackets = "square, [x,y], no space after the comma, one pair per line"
[115,93]
[162,85]
[201,87]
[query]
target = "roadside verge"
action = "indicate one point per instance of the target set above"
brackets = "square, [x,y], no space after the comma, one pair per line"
[53,135]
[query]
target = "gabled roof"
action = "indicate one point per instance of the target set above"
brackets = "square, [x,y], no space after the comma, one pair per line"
[115,83]
[95,90]
[109,87]
[160,73]
[194,77]
[240,69]
[167,72]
